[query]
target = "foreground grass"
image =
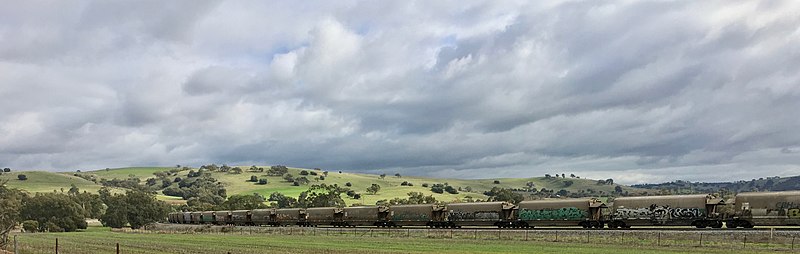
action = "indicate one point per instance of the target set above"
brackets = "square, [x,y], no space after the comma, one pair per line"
[102,240]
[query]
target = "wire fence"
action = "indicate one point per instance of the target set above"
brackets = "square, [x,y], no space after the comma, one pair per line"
[774,240]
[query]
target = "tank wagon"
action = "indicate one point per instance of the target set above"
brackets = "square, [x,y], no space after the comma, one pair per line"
[586,213]
[498,214]
[765,209]
[242,218]
[674,210]
[430,215]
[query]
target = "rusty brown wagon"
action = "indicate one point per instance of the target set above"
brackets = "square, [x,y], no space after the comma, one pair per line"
[498,214]
[430,215]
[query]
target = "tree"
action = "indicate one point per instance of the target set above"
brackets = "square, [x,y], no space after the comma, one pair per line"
[373,189]
[282,201]
[348,184]
[450,189]
[243,202]
[262,181]
[357,196]
[572,175]
[22,177]
[136,208]
[547,176]
[609,181]
[278,170]
[568,183]
[6,170]
[11,204]
[253,178]
[301,180]
[30,226]
[303,173]
[236,170]
[56,209]
[618,189]
[383,176]
[288,177]
[322,195]
[502,194]
[496,182]
[563,176]
[397,175]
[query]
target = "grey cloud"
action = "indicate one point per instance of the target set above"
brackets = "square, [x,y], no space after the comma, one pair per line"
[640,91]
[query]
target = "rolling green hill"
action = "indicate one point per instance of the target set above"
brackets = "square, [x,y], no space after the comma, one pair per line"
[39,181]
[390,185]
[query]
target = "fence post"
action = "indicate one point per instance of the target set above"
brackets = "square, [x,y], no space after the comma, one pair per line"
[701,239]
[17,252]
[408,232]
[498,234]
[793,236]
[451,233]
[623,237]
[744,242]
[658,241]
[56,245]
[556,235]
[476,234]
[587,236]
[117,248]
[526,235]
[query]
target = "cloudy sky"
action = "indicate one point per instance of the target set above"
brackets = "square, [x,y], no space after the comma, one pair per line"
[639,91]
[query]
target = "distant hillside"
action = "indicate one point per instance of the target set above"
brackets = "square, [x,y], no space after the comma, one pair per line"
[762,184]
[39,181]
[391,185]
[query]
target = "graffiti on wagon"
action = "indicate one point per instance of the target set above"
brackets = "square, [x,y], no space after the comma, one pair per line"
[566,213]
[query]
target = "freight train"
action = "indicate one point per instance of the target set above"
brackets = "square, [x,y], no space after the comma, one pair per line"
[746,210]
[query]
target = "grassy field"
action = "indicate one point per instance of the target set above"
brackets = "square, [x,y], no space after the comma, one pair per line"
[102,240]
[237,183]
[39,181]
[391,186]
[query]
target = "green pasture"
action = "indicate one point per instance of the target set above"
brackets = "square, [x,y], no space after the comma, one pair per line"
[40,181]
[102,240]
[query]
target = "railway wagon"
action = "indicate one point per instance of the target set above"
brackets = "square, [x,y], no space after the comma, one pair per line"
[195,218]
[361,216]
[566,212]
[172,217]
[242,217]
[321,216]
[187,218]
[418,215]
[223,217]
[765,209]
[674,210]
[288,216]
[498,214]
[207,217]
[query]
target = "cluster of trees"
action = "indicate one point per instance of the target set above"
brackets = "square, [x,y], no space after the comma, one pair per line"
[5,170]
[59,212]
[442,188]
[562,176]
[502,194]
[413,198]
[318,195]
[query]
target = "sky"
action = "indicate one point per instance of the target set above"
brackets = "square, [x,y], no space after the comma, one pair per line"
[637,91]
